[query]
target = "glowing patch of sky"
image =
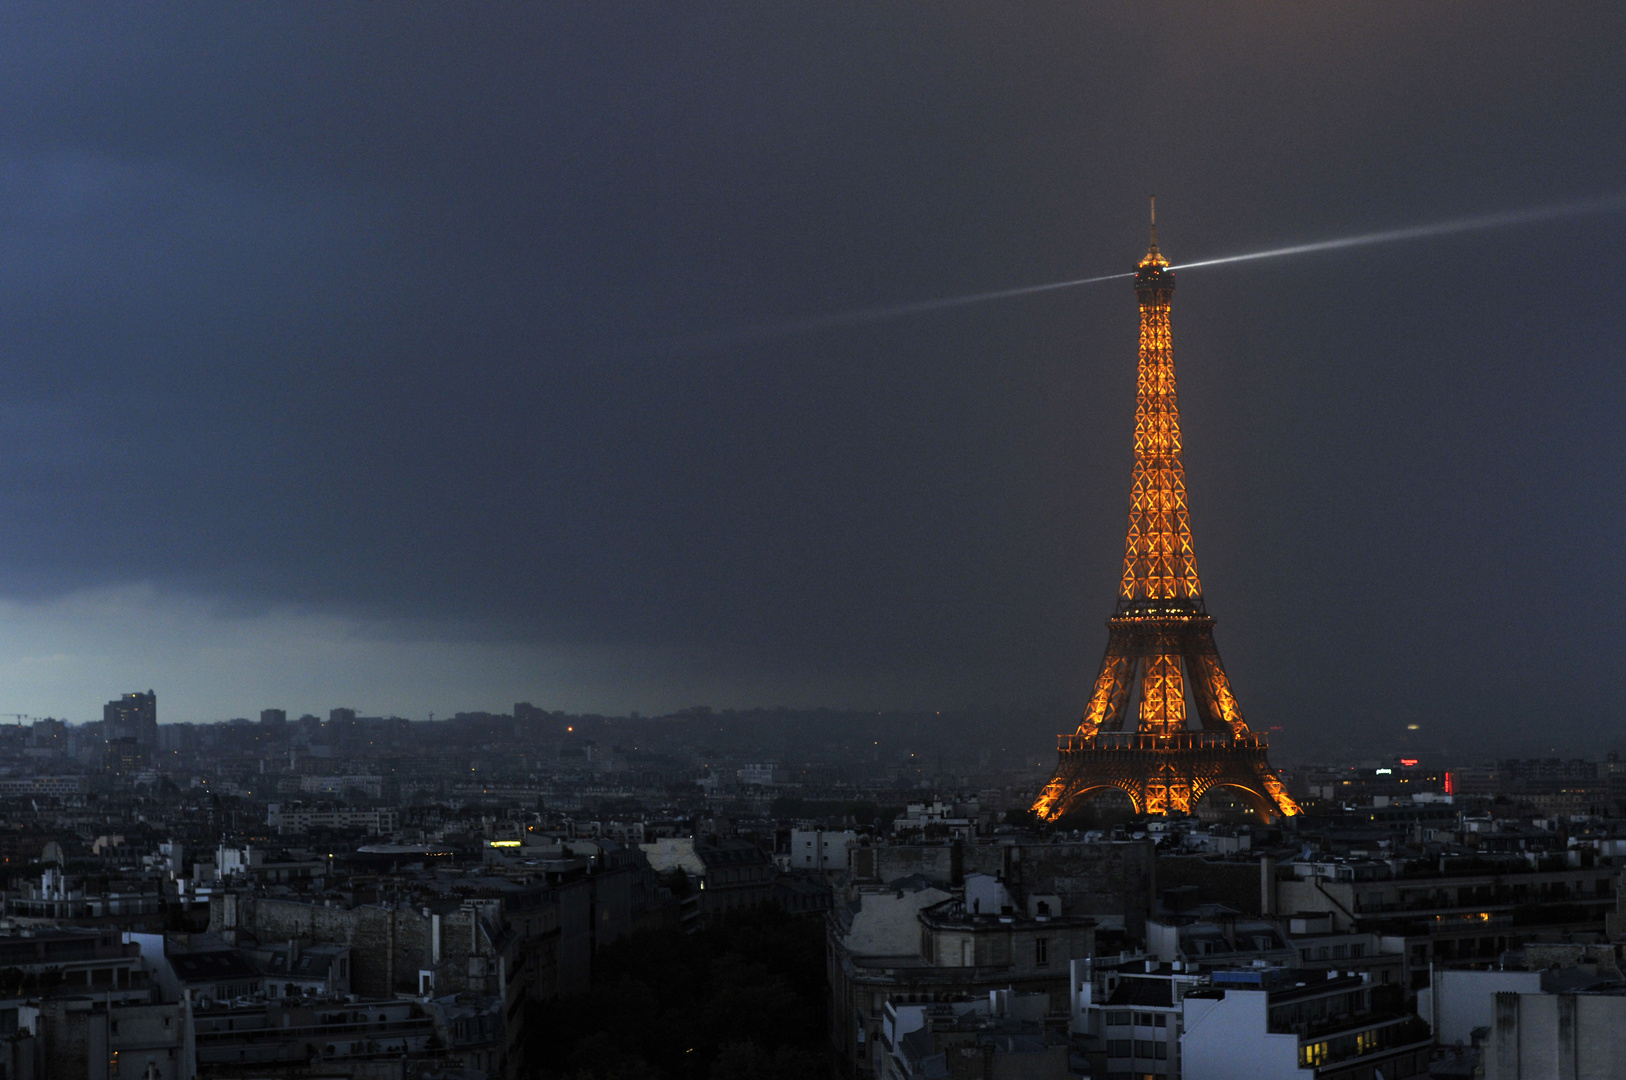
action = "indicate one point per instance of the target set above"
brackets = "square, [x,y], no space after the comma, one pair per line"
[1506,219]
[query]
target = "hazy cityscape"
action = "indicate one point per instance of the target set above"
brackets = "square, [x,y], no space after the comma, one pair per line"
[327,893]
[745,541]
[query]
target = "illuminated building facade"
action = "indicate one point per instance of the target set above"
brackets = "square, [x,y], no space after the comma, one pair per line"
[1161,725]
[133,716]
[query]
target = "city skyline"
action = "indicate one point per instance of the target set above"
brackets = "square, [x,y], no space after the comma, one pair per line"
[661,542]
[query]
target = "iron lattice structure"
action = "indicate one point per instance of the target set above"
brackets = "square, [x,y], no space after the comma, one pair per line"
[1137,733]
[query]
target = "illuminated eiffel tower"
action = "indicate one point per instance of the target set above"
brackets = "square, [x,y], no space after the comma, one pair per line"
[1137,734]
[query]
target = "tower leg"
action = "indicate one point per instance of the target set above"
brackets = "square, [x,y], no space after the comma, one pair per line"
[1112,683]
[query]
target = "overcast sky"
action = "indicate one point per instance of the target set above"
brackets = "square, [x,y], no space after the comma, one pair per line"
[393,356]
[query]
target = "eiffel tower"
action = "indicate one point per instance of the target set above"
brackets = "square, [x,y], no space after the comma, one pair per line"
[1137,733]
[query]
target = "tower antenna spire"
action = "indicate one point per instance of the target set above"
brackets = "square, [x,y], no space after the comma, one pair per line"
[1154,222]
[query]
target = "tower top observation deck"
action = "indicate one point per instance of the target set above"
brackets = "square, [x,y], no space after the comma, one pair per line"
[1152,273]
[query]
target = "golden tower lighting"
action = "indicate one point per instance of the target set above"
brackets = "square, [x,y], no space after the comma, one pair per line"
[1138,734]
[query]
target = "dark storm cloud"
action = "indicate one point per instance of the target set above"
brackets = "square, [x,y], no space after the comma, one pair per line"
[366,310]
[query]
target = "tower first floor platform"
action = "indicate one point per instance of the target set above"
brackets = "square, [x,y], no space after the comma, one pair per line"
[1163,774]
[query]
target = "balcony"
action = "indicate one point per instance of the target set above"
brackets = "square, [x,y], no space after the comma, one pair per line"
[1190,740]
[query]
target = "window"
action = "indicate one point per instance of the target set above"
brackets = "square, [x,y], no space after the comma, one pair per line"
[1041,951]
[1117,1048]
[1162,1020]
[1357,951]
[1143,1019]
[1117,1019]
[1143,1048]
[1162,1051]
